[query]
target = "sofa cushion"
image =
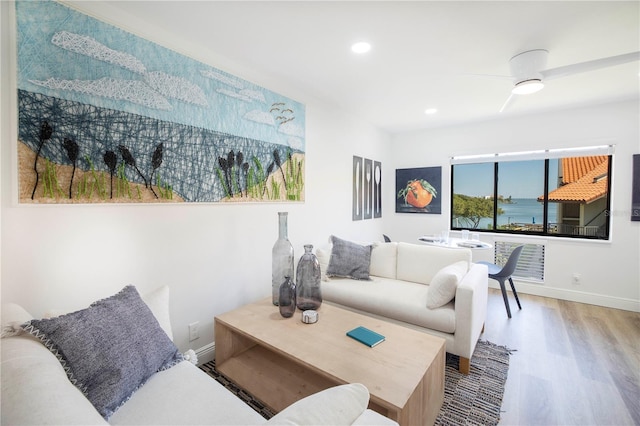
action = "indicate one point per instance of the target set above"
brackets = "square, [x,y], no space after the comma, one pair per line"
[109,349]
[399,300]
[444,284]
[419,263]
[349,259]
[184,395]
[158,302]
[12,313]
[383,259]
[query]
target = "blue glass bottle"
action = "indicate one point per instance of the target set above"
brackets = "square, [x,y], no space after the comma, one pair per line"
[287,299]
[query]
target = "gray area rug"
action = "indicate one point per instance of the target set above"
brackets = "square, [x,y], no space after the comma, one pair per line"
[474,399]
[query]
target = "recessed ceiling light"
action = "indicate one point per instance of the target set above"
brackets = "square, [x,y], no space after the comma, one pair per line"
[430,111]
[360,47]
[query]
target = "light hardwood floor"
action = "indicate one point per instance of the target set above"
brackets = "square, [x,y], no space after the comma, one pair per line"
[573,363]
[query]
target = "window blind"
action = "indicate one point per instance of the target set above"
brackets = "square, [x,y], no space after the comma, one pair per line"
[534,155]
[530,264]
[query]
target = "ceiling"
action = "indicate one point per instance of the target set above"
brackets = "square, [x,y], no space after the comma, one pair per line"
[425,54]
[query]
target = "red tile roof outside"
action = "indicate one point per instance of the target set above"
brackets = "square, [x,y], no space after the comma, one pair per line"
[585,180]
[573,168]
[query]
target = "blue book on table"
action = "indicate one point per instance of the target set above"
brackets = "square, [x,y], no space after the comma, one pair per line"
[366,336]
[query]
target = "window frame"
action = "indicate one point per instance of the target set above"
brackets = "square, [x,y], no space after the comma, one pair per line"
[546,155]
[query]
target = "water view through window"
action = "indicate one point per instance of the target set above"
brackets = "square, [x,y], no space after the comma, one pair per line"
[558,196]
[519,211]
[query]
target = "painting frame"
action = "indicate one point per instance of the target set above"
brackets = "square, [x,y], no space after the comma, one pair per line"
[356,209]
[366,189]
[377,189]
[108,116]
[417,186]
[635,191]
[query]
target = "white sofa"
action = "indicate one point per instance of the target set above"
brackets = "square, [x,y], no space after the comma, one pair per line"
[404,280]
[36,390]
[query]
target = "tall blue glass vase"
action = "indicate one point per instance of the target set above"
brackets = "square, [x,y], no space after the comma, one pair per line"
[308,291]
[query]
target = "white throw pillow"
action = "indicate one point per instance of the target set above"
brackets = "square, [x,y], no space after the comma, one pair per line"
[444,284]
[338,405]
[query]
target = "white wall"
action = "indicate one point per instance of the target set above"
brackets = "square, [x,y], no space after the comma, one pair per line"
[610,271]
[214,257]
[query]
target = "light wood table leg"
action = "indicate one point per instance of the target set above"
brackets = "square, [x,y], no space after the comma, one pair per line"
[464,365]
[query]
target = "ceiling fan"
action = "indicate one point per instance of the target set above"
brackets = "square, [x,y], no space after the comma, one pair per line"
[528,71]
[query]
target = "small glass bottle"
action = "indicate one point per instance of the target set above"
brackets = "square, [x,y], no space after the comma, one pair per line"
[281,258]
[308,281]
[287,299]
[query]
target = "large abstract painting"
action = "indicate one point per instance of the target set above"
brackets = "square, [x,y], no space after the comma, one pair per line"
[106,116]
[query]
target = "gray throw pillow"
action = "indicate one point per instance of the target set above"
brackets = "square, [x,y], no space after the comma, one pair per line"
[349,260]
[109,349]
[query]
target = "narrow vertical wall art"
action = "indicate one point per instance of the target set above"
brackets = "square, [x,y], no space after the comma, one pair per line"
[357,189]
[367,189]
[635,192]
[377,189]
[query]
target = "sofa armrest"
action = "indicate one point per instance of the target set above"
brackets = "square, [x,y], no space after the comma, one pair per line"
[471,309]
[339,405]
[36,390]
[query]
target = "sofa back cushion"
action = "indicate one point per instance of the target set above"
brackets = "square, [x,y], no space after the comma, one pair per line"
[323,255]
[420,263]
[383,260]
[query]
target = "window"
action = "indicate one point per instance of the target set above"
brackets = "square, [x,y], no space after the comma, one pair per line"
[557,193]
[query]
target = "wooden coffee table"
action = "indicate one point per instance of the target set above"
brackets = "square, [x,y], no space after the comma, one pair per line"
[282,360]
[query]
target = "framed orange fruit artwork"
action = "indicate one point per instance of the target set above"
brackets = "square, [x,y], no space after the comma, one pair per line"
[418,190]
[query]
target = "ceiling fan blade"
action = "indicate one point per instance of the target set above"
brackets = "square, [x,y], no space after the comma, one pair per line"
[590,65]
[510,101]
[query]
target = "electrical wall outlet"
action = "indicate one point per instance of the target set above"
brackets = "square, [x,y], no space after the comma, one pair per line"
[194,332]
[575,278]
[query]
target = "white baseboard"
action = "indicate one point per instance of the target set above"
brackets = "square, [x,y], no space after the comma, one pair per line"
[574,296]
[206,353]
